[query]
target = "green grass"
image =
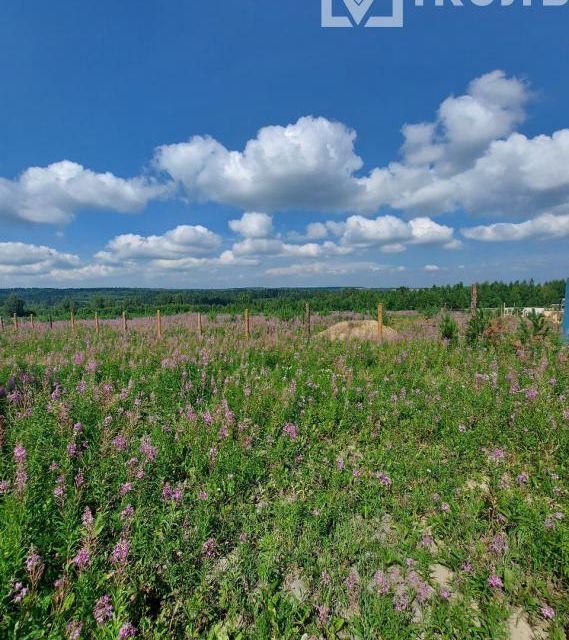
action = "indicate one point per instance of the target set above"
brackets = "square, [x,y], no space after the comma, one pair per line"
[333,533]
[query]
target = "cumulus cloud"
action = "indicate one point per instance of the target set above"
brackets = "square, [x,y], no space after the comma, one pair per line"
[253,225]
[306,165]
[469,157]
[181,242]
[544,226]
[21,259]
[393,234]
[54,193]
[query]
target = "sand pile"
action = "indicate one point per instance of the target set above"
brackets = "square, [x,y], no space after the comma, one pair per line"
[358,330]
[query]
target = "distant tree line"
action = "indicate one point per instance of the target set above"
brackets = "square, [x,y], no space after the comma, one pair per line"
[282,303]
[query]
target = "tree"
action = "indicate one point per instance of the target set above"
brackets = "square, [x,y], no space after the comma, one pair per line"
[15,305]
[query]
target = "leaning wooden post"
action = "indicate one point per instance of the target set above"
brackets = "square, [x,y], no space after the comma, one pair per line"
[97,325]
[50,321]
[380,322]
[72,321]
[158,324]
[473,299]
[247,324]
[307,320]
[200,327]
[15,321]
[124,322]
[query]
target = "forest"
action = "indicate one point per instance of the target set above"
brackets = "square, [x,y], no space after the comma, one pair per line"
[284,303]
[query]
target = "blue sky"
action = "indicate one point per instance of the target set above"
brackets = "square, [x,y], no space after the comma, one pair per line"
[238,143]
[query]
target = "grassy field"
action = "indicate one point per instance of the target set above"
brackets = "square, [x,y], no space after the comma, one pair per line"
[275,488]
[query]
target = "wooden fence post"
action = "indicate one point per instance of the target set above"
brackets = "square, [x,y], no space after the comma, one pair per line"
[32,320]
[72,320]
[15,321]
[380,322]
[200,327]
[247,324]
[124,322]
[158,324]
[473,299]
[97,326]
[2,323]
[50,321]
[307,320]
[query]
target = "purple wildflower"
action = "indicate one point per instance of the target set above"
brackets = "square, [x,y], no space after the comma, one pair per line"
[120,553]
[73,630]
[547,612]
[103,610]
[127,631]
[148,450]
[290,430]
[495,582]
[83,559]
[209,548]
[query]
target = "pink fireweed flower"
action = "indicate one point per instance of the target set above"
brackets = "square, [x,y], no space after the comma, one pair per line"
[20,454]
[384,479]
[352,581]
[125,488]
[290,430]
[119,443]
[495,582]
[83,559]
[531,394]
[127,631]
[522,478]
[59,491]
[127,512]
[340,465]
[401,601]
[202,495]
[120,553]
[466,567]
[73,630]
[209,548]
[499,544]
[4,487]
[148,450]
[547,612]
[497,455]
[103,610]
[34,565]
[380,582]
[19,592]
[87,518]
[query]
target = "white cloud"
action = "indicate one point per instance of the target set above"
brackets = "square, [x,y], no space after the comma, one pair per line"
[181,242]
[54,193]
[325,268]
[21,259]
[306,165]
[253,225]
[544,226]
[392,233]
[312,164]
[431,268]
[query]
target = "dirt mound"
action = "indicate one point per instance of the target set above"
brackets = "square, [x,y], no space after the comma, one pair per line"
[358,330]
